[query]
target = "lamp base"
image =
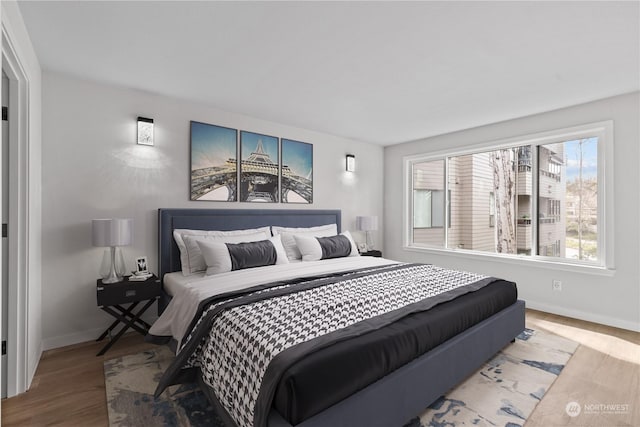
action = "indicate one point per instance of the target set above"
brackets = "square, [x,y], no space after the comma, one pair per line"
[112,280]
[113,268]
[369,240]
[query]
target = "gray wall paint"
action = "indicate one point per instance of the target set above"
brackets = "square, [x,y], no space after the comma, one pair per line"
[92,168]
[611,300]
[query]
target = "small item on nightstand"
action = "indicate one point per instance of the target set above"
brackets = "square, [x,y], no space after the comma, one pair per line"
[139,277]
[372,252]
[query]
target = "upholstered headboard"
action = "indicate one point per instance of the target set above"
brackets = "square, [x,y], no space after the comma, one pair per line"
[229,219]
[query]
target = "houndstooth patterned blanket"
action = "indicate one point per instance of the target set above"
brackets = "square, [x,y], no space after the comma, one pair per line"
[243,344]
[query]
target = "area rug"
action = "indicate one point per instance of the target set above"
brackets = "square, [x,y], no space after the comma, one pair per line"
[131,381]
[507,388]
[503,392]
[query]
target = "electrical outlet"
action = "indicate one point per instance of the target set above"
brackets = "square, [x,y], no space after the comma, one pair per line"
[556,285]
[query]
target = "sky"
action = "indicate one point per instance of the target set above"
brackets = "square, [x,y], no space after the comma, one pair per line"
[211,145]
[298,156]
[589,158]
[249,142]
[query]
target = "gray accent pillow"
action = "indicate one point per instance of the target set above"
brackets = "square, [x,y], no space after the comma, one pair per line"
[311,249]
[334,246]
[190,254]
[288,234]
[219,260]
[252,254]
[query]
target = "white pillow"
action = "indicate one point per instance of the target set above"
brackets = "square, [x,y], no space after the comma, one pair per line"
[219,260]
[311,247]
[289,242]
[190,256]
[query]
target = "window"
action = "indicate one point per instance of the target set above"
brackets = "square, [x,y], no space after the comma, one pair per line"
[473,177]
[428,202]
[568,176]
[542,194]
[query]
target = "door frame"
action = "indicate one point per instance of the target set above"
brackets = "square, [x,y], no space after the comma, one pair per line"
[18,303]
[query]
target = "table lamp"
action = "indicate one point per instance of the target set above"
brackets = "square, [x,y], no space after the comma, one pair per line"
[367,224]
[112,233]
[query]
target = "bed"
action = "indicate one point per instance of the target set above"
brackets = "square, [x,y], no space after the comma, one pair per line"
[392,398]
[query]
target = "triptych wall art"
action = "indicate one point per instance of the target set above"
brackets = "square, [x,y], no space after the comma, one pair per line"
[270,169]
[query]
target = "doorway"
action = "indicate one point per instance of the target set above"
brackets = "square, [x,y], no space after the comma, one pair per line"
[5,215]
[19,366]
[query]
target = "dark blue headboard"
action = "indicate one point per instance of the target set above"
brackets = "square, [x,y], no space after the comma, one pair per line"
[229,219]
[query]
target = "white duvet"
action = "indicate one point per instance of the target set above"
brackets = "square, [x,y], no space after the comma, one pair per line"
[176,318]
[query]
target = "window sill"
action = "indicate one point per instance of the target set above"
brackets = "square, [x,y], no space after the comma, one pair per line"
[522,260]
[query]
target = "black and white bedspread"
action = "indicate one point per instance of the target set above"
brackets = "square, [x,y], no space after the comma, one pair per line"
[243,341]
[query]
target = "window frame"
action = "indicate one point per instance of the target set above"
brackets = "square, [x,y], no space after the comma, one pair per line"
[492,209]
[602,130]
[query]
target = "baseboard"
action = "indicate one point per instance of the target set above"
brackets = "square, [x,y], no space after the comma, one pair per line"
[89,335]
[70,339]
[589,317]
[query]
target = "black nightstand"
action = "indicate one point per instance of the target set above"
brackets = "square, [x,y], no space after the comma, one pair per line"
[373,252]
[110,297]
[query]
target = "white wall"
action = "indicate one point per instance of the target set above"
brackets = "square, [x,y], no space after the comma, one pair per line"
[92,168]
[613,300]
[21,43]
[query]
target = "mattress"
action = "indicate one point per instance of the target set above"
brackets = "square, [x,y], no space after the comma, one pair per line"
[174,282]
[336,372]
[188,294]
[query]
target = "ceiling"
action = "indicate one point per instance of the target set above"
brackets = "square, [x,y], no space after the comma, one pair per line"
[381,72]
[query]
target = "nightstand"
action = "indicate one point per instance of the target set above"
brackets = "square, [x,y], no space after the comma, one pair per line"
[110,298]
[372,252]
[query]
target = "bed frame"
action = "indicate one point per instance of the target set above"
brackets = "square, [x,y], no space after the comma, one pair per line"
[401,395]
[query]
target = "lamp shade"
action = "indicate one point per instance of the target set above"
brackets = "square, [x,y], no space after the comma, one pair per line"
[112,232]
[367,223]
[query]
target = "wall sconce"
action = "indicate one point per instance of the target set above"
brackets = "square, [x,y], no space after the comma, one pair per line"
[351,163]
[145,131]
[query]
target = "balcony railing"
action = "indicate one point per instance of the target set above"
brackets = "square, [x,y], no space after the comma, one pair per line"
[523,235]
[551,175]
[545,220]
[549,220]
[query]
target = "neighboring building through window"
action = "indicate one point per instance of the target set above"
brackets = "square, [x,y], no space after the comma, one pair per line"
[428,208]
[428,203]
[566,217]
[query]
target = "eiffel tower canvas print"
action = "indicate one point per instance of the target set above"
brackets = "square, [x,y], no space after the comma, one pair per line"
[259,168]
[214,153]
[297,172]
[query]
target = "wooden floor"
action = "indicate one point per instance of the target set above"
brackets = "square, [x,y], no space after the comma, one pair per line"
[68,388]
[605,370]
